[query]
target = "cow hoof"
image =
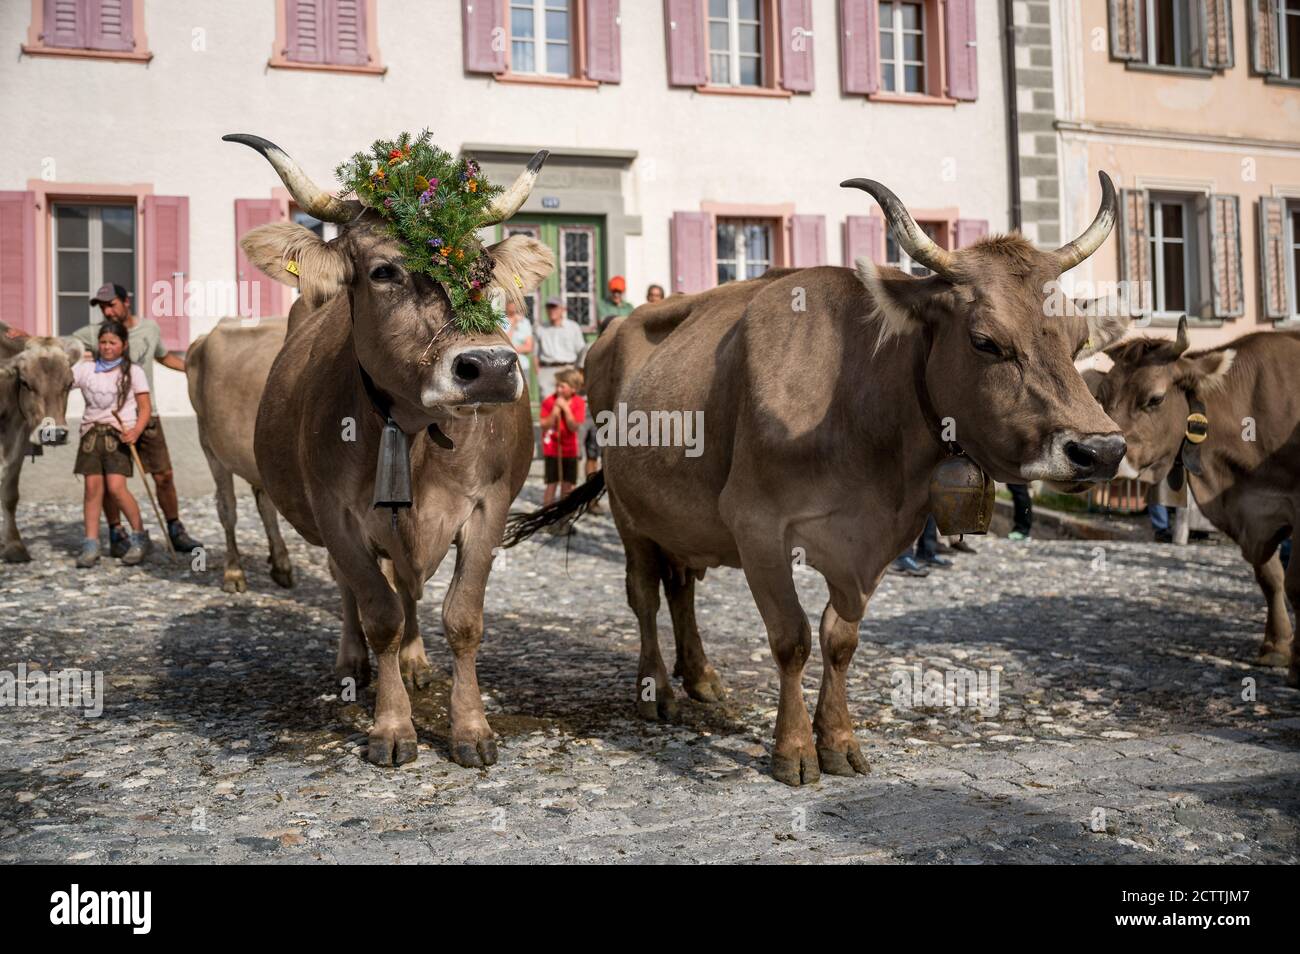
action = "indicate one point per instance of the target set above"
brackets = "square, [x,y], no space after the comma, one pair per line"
[16,553]
[661,709]
[706,687]
[235,582]
[475,754]
[283,576]
[848,763]
[798,769]
[392,746]
[358,672]
[1273,658]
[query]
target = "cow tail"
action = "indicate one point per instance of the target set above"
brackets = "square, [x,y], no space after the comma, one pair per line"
[521,526]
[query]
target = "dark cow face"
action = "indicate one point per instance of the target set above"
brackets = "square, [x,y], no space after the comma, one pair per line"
[1002,346]
[39,378]
[1145,393]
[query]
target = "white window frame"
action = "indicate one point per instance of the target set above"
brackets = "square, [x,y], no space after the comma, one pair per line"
[743,260]
[904,262]
[898,62]
[1293,248]
[1283,49]
[592,285]
[1180,8]
[540,39]
[1191,254]
[733,53]
[94,252]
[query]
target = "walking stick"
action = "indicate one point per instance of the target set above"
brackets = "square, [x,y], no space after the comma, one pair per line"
[135,456]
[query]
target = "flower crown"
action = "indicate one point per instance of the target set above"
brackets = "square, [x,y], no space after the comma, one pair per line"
[434,204]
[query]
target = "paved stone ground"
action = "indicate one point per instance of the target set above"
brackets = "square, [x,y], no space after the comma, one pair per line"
[223,738]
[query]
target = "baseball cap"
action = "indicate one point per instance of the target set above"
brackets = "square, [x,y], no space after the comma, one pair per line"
[107,293]
[618,283]
[552,301]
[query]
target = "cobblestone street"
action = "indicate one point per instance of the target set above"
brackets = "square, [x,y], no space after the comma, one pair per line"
[1121,733]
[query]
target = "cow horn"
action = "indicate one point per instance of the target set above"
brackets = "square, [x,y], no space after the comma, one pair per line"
[512,200]
[1180,342]
[919,246]
[310,197]
[1092,237]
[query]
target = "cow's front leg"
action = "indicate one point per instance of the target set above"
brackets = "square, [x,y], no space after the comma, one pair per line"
[14,549]
[473,743]
[767,570]
[1278,636]
[838,752]
[417,671]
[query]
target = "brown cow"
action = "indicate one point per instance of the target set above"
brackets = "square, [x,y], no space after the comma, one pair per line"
[1245,473]
[35,378]
[370,331]
[823,394]
[226,371]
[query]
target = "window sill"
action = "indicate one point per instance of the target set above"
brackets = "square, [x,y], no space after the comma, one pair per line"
[1287,324]
[911,99]
[761,91]
[138,57]
[279,62]
[1282,81]
[539,79]
[1199,71]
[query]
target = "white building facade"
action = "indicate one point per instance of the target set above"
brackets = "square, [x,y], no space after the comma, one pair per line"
[692,141]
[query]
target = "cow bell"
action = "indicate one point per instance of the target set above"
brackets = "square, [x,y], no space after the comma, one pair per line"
[393,470]
[961,497]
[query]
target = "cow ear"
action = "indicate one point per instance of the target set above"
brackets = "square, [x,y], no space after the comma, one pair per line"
[296,256]
[1204,372]
[519,264]
[1104,328]
[898,300]
[74,348]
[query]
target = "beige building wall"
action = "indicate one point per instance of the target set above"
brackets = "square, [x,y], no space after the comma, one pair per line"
[1226,132]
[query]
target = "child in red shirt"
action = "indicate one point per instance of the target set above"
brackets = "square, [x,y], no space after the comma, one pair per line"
[562,415]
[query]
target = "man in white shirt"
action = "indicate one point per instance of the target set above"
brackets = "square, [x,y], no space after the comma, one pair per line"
[560,344]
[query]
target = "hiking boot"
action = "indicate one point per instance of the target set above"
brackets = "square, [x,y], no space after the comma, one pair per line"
[935,560]
[908,566]
[182,542]
[89,554]
[1017,536]
[118,542]
[138,549]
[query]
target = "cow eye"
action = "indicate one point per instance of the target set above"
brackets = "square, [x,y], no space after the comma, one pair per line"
[1153,402]
[383,273]
[985,344]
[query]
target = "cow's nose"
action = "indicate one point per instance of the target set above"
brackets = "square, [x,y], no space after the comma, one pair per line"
[484,363]
[54,436]
[1096,457]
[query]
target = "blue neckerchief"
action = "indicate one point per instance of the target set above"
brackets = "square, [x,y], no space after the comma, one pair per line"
[102,365]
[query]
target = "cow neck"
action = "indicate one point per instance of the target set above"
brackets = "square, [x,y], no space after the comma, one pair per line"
[932,419]
[1195,431]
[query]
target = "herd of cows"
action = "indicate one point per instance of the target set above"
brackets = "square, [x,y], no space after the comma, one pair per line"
[824,422]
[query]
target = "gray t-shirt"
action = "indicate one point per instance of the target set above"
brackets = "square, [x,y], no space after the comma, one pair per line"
[144,344]
[559,344]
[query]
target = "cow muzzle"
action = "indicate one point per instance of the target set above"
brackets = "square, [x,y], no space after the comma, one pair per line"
[1071,457]
[49,435]
[474,376]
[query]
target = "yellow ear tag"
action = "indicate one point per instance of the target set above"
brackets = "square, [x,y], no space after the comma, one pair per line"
[291,267]
[518,282]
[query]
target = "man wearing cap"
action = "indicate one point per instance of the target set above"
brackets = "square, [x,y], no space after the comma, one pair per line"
[614,304]
[559,344]
[144,345]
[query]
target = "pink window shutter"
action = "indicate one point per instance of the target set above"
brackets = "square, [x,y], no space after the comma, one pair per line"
[693,252]
[604,44]
[18,260]
[796,45]
[111,25]
[346,32]
[864,237]
[483,33]
[304,31]
[684,20]
[167,267]
[860,46]
[259,296]
[65,24]
[807,240]
[970,231]
[959,34]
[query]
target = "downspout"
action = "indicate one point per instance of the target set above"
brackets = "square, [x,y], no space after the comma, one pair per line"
[1013,109]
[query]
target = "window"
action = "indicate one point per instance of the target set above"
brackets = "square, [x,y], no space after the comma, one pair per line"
[1174,255]
[578,273]
[735,43]
[744,248]
[93,245]
[531,302]
[902,47]
[325,231]
[1289,38]
[112,29]
[894,254]
[1172,30]
[540,37]
[327,35]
